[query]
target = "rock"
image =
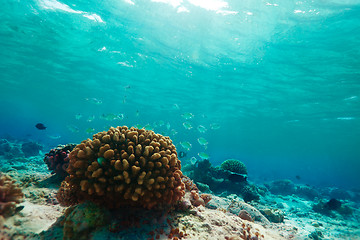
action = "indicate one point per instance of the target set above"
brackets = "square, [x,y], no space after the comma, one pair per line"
[31,149]
[315,224]
[218,202]
[281,187]
[306,192]
[243,214]
[4,146]
[273,215]
[316,235]
[339,194]
[236,206]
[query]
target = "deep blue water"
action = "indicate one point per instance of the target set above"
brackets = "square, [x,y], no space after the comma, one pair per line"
[279,79]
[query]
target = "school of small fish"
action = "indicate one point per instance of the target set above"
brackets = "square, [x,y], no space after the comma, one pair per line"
[161,126]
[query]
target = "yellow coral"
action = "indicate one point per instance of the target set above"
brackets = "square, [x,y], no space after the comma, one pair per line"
[124,167]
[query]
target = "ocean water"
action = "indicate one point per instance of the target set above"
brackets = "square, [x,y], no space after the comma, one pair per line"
[275,84]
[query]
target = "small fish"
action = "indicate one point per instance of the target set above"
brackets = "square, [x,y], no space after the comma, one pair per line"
[203,156]
[91,118]
[214,126]
[351,98]
[161,123]
[345,118]
[111,117]
[175,106]
[125,64]
[40,126]
[148,127]
[234,177]
[193,160]
[182,154]
[168,126]
[201,129]
[202,141]
[187,115]
[173,132]
[54,136]
[187,125]
[73,128]
[94,101]
[78,116]
[137,113]
[186,145]
[127,87]
[101,161]
[139,126]
[89,130]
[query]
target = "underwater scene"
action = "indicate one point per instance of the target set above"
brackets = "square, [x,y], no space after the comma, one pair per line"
[180,119]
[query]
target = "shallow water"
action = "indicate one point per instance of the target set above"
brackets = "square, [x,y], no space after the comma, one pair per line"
[280,80]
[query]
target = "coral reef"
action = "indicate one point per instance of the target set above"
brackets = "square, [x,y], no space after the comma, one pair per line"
[19,149]
[306,192]
[249,193]
[281,187]
[234,165]
[10,150]
[219,180]
[57,159]
[10,195]
[123,167]
[31,148]
[331,207]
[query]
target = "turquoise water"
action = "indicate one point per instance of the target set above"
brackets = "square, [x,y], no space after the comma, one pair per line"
[279,81]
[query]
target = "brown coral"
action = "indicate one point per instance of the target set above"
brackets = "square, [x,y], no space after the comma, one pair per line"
[123,167]
[10,195]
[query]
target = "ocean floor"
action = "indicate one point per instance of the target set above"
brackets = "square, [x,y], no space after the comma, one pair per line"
[280,213]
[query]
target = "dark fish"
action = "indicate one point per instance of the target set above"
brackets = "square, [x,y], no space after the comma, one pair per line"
[297,177]
[182,154]
[40,126]
[333,204]
[237,177]
[18,209]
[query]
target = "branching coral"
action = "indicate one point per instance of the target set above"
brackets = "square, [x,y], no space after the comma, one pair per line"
[10,195]
[57,159]
[123,167]
[234,165]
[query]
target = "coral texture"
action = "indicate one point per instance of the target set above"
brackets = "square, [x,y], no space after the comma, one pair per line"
[10,195]
[57,159]
[234,165]
[122,167]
